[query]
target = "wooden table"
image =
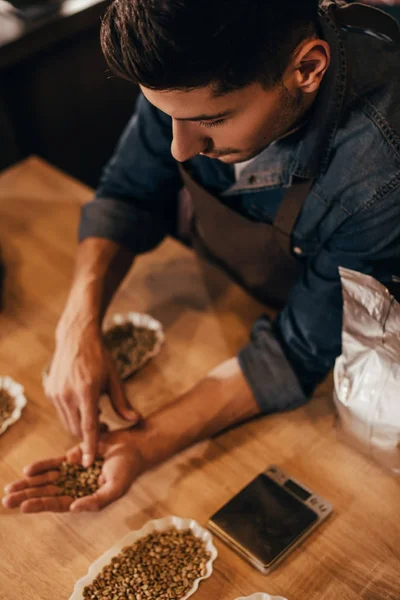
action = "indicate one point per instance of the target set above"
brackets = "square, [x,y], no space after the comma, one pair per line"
[356,554]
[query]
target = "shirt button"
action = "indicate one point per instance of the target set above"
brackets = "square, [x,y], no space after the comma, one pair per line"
[297,250]
[252,179]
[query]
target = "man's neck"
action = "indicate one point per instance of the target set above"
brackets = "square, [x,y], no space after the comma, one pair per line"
[303,118]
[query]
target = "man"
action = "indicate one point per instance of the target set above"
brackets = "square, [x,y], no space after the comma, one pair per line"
[311,97]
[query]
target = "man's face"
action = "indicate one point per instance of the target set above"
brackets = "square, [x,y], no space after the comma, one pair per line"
[234,127]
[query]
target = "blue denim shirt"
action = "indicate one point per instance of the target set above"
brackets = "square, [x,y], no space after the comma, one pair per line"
[350,147]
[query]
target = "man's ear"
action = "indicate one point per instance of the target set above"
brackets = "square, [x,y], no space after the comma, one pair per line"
[309,65]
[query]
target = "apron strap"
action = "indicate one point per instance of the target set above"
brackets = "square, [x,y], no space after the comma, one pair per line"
[289,210]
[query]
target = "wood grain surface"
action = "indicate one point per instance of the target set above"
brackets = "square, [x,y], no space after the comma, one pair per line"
[355,554]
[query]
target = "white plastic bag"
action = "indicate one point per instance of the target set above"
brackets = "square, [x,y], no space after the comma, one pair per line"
[367,374]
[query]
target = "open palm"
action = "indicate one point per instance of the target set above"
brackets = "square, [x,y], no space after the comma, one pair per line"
[38,491]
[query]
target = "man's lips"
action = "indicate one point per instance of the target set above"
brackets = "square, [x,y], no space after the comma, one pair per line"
[213,155]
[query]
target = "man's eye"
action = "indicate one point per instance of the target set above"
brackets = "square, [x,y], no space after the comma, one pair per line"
[212,123]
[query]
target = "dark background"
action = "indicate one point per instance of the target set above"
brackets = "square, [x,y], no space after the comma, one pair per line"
[57,97]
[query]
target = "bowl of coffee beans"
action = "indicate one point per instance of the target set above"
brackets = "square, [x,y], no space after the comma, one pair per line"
[12,401]
[132,340]
[165,560]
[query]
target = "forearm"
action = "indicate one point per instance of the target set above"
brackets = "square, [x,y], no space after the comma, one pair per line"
[101,265]
[219,401]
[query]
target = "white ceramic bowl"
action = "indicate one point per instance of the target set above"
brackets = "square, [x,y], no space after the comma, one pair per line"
[16,391]
[261,596]
[147,322]
[133,536]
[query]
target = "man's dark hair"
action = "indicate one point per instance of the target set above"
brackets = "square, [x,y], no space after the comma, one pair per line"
[186,44]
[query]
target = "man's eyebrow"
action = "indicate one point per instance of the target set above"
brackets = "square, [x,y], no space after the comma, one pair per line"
[220,115]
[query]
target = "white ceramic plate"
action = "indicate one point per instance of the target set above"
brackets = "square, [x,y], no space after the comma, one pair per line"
[133,536]
[16,391]
[140,320]
[261,596]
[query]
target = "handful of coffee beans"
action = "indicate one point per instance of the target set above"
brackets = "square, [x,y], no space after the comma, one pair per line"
[77,481]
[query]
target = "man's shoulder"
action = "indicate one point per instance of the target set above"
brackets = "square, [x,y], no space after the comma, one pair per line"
[374,71]
[365,159]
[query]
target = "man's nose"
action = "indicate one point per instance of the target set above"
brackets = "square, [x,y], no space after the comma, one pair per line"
[186,142]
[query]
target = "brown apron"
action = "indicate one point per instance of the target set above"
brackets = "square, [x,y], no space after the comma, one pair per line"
[258,255]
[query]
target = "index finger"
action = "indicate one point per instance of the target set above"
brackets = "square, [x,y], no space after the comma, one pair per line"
[90,431]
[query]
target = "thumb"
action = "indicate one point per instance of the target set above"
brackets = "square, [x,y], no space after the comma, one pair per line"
[119,400]
[106,494]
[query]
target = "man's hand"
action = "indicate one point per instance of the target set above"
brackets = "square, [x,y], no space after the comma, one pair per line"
[81,371]
[38,492]
[220,400]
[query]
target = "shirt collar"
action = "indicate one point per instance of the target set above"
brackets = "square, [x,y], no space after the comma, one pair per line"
[307,151]
[315,147]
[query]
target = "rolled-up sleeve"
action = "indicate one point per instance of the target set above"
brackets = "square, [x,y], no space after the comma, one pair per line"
[285,360]
[267,370]
[136,201]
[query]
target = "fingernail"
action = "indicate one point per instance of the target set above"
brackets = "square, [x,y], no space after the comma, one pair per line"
[4,502]
[86,460]
[7,488]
